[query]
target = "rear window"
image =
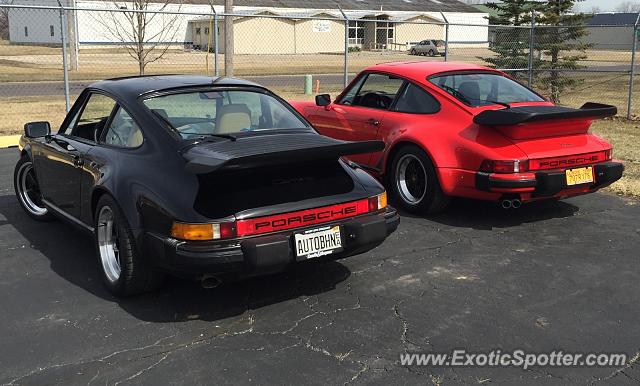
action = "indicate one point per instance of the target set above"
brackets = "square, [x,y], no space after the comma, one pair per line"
[483,89]
[198,113]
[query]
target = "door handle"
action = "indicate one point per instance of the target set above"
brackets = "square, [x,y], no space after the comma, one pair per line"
[374,122]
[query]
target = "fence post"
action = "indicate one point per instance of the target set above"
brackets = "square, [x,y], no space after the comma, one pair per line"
[65,67]
[632,73]
[215,43]
[446,36]
[345,81]
[531,46]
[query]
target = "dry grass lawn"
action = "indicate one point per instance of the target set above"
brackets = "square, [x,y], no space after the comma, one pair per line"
[625,137]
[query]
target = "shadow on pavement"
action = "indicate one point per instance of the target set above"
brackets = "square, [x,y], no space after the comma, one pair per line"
[71,255]
[486,215]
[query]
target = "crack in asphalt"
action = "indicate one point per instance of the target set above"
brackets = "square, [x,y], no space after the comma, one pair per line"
[632,362]
[143,370]
[87,361]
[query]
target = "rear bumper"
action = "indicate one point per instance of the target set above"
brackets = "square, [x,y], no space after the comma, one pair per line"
[261,255]
[547,183]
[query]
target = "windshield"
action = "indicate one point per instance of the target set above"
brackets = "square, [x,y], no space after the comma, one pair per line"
[483,89]
[197,113]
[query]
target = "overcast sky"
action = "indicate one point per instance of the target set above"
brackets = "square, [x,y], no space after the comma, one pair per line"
[585,6]
[604,5]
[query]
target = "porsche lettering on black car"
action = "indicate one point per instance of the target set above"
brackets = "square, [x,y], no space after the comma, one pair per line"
[208,178]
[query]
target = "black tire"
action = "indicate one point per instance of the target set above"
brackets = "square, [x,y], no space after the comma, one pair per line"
[135,274]
[426,200]
[431,53]
[25,184]
[413,51]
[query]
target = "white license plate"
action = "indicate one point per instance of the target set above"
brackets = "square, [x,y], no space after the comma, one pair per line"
[318,242]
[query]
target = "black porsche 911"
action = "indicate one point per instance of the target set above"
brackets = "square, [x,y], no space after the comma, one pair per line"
[209,178]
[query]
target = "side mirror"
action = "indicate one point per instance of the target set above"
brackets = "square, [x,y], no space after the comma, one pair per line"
[37,129]
[323,100]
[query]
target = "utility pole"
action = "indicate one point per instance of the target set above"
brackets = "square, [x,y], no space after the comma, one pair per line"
[228,38]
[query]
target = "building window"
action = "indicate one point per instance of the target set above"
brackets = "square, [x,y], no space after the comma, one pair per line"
[206,30]
[26,32]
[384,33]
[198,31]
[356,33]
[51,30]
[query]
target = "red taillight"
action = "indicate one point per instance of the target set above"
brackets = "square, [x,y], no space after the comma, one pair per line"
[373,204]
[227,230]
[608,154]
[503,167]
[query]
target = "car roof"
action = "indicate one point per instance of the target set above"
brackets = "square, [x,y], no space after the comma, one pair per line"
[420,70]
[134,86]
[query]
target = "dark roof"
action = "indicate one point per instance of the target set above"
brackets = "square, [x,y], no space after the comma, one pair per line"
[138,85]
[613,19]
[350,5]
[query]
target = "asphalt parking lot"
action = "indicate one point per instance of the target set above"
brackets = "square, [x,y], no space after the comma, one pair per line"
[559,275]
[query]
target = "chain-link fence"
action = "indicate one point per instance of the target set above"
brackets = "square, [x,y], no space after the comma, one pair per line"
[48,54]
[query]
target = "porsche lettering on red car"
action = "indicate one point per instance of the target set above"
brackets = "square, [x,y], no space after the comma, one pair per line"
[463,130]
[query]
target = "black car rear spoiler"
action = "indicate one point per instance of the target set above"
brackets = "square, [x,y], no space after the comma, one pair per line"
[272,149]
[524,114]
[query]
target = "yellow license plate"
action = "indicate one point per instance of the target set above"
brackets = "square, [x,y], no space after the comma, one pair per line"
[579,176]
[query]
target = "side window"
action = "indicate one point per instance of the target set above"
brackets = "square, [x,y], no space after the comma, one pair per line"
[123,131]
[378,91]
[348,98]
[414,99]
[92,118]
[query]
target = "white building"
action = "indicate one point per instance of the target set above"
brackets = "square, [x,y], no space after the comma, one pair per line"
[266,26]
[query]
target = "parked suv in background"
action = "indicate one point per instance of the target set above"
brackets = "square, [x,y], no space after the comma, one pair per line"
[430,47]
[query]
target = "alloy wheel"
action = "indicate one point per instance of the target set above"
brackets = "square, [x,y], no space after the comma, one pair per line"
[29,190]
[411,179]
[109,244]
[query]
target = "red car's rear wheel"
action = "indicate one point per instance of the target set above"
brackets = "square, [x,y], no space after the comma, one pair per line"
[414,182]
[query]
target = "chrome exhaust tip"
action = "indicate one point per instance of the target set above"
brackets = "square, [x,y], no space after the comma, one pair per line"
[506,204]
[209,282]
[515,204]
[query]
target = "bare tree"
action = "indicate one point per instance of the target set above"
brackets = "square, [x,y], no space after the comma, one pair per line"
[4,19]
[595,9]
[629,7]
[146,34]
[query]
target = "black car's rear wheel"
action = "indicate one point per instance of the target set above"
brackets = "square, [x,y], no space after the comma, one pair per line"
[28,192]
[431,53]
[123,270]
[414,182]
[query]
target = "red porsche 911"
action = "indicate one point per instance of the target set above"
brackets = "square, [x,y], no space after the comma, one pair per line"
[463,130]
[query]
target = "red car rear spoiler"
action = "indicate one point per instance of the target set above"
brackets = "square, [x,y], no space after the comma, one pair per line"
[524,114]
[270,149]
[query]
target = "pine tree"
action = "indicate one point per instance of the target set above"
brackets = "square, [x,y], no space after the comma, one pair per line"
[557,37]
[510,45]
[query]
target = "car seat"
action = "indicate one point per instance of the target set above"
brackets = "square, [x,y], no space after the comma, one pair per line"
[232,118]
[471,91]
